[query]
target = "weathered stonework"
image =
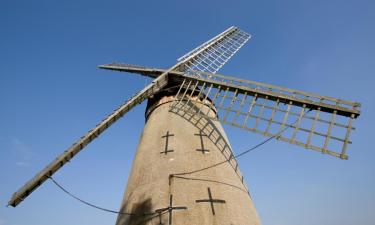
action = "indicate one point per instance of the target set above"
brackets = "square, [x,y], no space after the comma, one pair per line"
[168,146]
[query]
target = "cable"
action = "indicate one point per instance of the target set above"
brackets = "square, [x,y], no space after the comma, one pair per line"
[95,206]
[242,153]
[176,174]
[212,181]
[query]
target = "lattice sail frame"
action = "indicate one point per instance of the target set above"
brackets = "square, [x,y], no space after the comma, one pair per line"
[213,54]
[314,122]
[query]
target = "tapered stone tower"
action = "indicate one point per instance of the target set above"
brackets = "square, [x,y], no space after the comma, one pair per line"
[173,148]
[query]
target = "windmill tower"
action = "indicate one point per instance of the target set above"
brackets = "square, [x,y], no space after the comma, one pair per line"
[185,171]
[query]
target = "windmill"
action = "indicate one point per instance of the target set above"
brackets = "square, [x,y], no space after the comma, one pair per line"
[184,171]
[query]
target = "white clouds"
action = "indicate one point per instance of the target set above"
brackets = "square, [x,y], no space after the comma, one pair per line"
[19,147]
[22,164]
[21,151]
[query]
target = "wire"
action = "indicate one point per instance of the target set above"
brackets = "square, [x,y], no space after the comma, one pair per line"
[174,175]
[95,206]
[212,181]
[278,134]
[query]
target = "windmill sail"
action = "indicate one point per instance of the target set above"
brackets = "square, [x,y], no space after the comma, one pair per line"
[213,54]
[208,57]
[314,122]
[67,155]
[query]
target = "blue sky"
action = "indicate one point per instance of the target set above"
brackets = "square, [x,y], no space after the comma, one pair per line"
[51,93]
